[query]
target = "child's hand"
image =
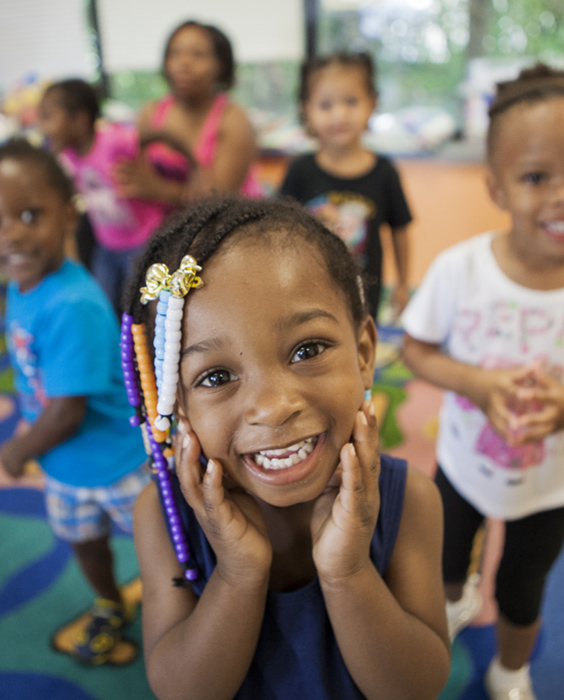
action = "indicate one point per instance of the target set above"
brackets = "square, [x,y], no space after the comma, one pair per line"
[545,397]
[136,178]
[11,460]
[399,299]
[495,392]
[230,518]
[345,515]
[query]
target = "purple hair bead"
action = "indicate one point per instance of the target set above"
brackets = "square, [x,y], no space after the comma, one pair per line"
[178,534]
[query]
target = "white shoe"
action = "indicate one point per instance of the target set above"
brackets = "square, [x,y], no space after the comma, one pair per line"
[503,684]
[463,611]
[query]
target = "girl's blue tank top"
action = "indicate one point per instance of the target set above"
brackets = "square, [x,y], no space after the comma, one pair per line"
[297,655]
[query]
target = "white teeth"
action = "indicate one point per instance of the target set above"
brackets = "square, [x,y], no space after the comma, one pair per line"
[271,459]
[555,226]
[16,258]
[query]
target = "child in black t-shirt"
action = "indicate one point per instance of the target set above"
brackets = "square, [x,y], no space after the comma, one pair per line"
[350,188]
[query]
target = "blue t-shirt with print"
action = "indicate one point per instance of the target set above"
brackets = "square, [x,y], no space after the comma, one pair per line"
[63,340]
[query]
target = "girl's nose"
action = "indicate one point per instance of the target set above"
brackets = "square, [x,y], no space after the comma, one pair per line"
[273,402]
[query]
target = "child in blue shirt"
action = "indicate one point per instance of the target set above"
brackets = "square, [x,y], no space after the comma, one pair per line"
[63,341]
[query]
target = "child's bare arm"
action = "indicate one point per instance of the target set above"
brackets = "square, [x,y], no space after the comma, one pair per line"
[199,647]
[59,421]
[392,634]
[236,149]
[400,293]
[138,178]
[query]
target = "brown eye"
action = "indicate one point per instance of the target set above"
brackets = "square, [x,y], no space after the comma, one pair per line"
[28,216]
[534,178]
[308,351]
[218,377]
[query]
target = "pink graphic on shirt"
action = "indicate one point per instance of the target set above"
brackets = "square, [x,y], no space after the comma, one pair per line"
[533,322]
[466,324]
[491,444]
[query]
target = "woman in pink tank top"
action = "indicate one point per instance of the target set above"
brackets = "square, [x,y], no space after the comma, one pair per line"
[198,120]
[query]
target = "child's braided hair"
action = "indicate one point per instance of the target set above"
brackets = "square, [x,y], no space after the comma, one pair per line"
[200,229]
[533,85]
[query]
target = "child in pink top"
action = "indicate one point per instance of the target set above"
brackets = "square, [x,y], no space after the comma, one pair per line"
[68,114]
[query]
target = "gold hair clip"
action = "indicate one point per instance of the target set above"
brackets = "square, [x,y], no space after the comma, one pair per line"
[185,278]
[179,283]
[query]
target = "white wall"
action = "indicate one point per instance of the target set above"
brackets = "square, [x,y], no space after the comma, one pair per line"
[44,37]
[49,38]
[134,31]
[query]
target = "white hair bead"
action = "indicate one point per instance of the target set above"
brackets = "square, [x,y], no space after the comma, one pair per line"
[171,347]
[167,397]
[174,314]
[166,403]
[168,388]
[170,377]
[176,303]
[162,423]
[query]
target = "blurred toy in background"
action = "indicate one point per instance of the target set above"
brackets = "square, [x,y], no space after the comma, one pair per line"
[19,108]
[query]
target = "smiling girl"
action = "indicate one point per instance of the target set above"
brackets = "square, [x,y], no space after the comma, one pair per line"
[313,563]
[487,325]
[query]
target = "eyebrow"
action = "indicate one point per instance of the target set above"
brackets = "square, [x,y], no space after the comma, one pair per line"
[285,325]
[301,317]
[204,346]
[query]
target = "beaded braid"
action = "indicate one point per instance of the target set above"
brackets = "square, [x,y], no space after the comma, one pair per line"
[159,386]
[201,230]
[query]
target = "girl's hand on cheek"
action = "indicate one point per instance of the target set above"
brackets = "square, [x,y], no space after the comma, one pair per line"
[344,516]
[230,518]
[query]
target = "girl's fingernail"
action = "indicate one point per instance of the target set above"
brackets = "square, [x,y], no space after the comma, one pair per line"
[371,410]
[363,419]
[351,449]
[186,441]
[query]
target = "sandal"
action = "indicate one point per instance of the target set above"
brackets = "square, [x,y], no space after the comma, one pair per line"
[97,640]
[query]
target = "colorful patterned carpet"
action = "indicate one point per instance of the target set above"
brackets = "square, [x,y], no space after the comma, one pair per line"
[42,592]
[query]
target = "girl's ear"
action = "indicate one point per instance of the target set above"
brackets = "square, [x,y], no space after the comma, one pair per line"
[367,338]
[495,190]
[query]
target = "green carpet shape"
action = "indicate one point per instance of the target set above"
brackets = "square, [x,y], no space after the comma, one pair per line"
[25,635]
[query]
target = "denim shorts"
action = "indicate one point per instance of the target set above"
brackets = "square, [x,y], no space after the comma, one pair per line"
[79,514]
